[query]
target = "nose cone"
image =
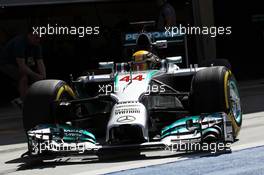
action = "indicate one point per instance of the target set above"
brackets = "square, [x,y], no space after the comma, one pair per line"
[128,119]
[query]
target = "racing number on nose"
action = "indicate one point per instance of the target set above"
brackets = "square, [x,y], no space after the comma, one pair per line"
[127,78]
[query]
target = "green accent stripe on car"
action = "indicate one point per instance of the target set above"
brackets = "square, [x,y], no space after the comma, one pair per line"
[181,122]
[179,126]
[116,79]
[88,134]
[81,139]
[151,74]
[177,130]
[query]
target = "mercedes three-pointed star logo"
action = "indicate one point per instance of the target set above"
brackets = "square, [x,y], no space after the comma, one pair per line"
[126,119]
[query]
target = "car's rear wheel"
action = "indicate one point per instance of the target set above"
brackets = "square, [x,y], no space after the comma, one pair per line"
[215,89]
[39,105]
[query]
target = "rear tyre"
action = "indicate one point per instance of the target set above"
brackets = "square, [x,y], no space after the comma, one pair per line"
[215,89]
[39,106]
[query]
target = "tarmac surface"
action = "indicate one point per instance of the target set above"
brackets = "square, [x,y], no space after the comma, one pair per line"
[218,165]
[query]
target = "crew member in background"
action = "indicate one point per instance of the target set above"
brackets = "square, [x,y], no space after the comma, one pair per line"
[21,60]
[167,15]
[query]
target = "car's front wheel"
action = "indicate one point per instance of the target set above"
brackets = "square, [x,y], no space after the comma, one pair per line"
[39,104]
[214,89]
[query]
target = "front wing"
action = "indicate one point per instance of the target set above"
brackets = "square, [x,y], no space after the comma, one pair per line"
[62,139]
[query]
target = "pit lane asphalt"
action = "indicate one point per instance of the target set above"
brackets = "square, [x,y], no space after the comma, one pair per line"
[218,165]
[252,93]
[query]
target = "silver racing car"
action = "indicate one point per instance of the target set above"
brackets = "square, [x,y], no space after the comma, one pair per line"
[143,103]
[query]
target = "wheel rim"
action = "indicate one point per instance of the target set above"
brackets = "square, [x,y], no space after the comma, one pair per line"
[235,101]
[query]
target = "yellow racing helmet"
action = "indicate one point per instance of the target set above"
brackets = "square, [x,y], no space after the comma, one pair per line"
[144,60]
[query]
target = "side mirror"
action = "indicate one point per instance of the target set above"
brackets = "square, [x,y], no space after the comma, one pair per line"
[106,65]
[171,63]
[161,44]
[174,60]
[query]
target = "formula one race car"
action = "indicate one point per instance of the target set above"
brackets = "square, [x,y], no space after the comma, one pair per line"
[147,102]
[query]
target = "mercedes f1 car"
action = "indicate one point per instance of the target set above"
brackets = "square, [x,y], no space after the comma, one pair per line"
[147,102]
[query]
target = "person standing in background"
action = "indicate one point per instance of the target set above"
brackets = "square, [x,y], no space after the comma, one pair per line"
[21,60]
[167,15]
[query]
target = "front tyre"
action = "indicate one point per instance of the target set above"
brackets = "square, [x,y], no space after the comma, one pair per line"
[215,89]
[39,105]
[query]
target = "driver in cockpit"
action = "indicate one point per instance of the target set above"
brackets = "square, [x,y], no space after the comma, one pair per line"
[144,60]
